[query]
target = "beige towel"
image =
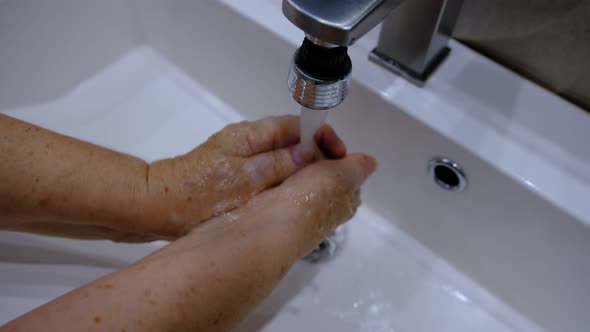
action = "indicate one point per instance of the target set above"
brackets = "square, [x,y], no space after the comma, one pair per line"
[547,41]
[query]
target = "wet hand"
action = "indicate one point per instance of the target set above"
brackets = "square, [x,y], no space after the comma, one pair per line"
[226,171]
[310,204]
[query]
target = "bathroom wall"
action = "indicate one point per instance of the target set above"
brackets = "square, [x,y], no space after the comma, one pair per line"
[47,47]
[545,41]
[178,31]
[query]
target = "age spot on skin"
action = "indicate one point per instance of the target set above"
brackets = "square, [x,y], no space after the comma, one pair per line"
[97,319]
[218,318]
[44,202]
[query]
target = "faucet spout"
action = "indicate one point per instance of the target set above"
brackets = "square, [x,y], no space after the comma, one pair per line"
[337,22]
[414,34]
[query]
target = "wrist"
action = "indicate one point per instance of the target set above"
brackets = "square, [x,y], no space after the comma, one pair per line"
[163,205]
[120,201]
[283,224]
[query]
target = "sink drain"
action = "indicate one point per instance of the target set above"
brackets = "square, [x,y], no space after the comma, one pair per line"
[447,174]
[328,247]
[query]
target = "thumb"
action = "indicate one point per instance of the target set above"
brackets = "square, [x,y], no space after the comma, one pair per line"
[356,168]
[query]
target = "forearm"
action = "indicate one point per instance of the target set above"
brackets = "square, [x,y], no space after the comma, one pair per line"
[50,178]
[212,277]
[206,281]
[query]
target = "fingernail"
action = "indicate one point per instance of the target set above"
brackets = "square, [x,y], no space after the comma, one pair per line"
[369,164]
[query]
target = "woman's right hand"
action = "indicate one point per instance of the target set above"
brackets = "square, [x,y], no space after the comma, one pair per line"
[214,276]
[312,202]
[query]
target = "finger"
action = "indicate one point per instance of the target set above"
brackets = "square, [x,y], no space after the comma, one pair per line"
[271,168]
[274,133]
[346,174]
[329,143]
[365,165]
[354,169]
[250,138]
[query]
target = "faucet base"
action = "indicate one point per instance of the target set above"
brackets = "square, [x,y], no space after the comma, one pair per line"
[396,67]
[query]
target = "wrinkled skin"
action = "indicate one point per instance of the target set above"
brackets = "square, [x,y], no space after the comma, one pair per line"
[118,197]
[281,204]
[229,169]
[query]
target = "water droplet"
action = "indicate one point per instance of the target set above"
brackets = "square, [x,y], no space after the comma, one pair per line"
[230,217]
[374,309]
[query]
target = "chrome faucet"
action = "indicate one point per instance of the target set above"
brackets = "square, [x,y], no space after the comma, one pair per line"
[412,42]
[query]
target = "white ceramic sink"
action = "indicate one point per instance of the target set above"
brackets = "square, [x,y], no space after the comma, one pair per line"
[154,78]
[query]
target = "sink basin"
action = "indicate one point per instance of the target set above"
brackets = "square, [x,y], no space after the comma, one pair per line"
[154,78]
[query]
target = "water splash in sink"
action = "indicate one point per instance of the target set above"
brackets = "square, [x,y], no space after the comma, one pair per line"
[382,280]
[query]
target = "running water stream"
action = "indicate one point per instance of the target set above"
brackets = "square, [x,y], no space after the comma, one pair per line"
[311,121]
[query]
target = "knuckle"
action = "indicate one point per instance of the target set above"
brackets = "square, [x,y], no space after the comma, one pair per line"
[233,127]
[250,142]
[279,164]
